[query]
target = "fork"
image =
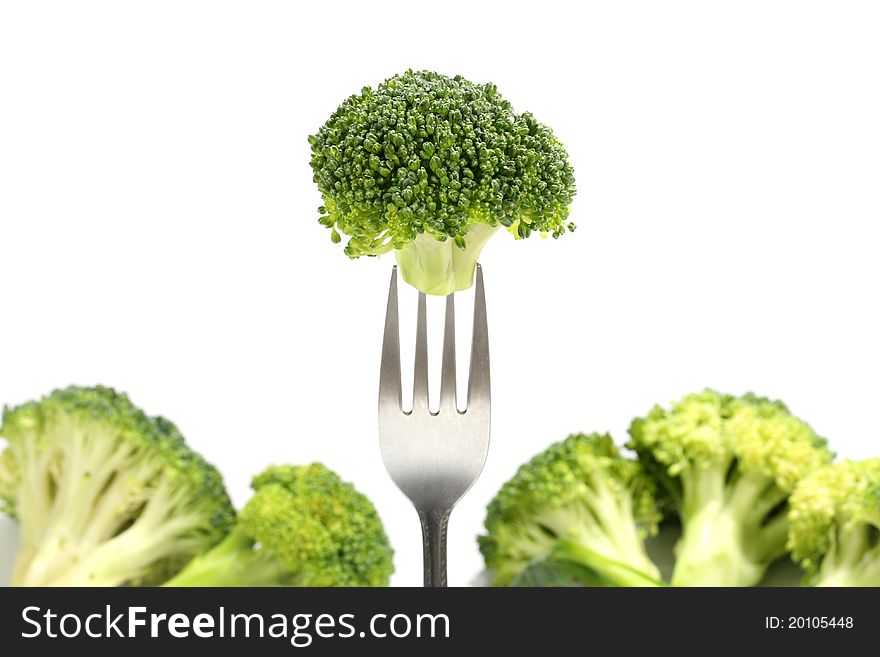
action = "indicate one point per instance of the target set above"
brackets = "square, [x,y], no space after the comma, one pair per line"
[434,458]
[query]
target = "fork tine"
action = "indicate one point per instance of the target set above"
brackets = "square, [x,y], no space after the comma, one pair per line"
[420,376]
[478,378]
[447,373]
[389,373]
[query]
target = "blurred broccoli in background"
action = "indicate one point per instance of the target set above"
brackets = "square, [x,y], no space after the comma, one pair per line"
[835,524]
[580,509]
[303,526]
[431,167]
[728,464]
[107,496]
[104,495]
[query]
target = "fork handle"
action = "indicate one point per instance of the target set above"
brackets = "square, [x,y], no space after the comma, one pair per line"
[434,526]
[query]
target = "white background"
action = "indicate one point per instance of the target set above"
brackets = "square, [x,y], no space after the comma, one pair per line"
[158,224]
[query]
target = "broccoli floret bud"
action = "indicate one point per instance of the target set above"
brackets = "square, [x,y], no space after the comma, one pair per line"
[835,524]
[105,495]
[431,166]
[580,503]
[728,465]
[303,526]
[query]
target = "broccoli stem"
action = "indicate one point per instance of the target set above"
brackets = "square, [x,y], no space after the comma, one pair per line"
[22,563]
[615,517]
[441,268]
[852,561]
[725,541]
[83,514]
[603,526]
[163,528]
[598,570]
[54,543]
[710,551]
[233,562]
[33,506]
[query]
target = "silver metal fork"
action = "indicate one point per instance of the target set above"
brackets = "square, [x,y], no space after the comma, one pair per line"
[434,458]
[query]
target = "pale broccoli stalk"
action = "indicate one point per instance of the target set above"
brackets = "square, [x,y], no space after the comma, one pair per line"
[728,464]
[431,167]
[835,524]
[578,503]
[443,266]
[105,495]
[303,526]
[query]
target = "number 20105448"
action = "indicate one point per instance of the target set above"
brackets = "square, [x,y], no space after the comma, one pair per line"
[809,622]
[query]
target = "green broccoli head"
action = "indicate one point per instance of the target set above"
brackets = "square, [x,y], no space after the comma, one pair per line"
[834,521]
[105,495]
[578,502]
[430,167]
[303,526]
[729,464]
